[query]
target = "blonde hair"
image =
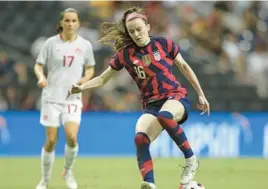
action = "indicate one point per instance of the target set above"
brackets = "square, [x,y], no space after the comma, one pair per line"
[115,34]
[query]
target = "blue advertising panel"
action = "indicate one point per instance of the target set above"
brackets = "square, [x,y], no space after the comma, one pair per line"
[112,134]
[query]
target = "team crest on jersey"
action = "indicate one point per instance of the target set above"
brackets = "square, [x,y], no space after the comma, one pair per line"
[157,55]
[146,59]
[78,51]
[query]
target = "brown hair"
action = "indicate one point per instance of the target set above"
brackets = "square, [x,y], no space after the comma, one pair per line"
[59,27]
[115,34]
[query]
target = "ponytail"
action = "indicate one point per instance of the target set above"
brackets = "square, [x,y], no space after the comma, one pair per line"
[115,34]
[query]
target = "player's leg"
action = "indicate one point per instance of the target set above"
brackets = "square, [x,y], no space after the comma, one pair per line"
[147,130]
[172,112]
[70,153]
[50,119]
[71,118]
[71,146]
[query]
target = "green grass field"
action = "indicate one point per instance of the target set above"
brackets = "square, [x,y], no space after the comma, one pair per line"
[122,173]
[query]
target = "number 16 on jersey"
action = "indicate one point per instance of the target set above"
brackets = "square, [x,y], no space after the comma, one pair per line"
[140,72]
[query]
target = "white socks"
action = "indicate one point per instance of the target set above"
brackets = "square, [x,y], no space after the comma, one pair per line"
[47,159]
[191,159]
[70,157]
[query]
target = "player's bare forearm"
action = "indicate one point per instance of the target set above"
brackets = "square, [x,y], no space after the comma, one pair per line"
[189,74]
[39,71]
[100,80]
[93,83]
[191,77]
[89,72]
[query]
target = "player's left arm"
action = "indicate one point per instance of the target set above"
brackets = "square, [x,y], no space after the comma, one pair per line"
[89,64]
[191,77]
[89,72]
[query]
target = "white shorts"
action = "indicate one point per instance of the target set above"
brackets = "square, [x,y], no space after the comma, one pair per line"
[55,114]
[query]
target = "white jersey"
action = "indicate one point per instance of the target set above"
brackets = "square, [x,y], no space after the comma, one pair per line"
[65,62]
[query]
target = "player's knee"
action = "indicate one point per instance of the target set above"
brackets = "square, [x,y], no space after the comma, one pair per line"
[71,140]
[163,115]
[50,143]
[141,138]
[52,140]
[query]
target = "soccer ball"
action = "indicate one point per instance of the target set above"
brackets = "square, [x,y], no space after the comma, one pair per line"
[192,185]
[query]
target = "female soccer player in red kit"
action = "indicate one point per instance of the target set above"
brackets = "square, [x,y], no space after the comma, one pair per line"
[149,61]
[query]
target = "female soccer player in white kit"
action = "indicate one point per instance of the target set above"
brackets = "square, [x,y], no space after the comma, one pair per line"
[65,55]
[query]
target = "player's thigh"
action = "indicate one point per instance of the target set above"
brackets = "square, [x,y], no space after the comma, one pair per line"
[176,108]
[51,134]
[50,114]
[149,124]
[71,118]
[71,130]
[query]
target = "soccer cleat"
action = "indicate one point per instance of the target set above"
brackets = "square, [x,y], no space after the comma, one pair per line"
[147,185]
[69,179]
[189,171]
[43,184]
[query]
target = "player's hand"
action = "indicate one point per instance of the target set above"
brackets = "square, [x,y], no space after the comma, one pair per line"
[42,82]
[203,105]
[74,90]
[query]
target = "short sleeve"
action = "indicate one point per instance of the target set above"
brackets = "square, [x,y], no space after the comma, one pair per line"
[43,55]
[173,48]
[89,56]
[117,61]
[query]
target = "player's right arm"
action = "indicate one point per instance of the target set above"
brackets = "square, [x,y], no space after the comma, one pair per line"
[39,65]
[95,82]
[116,64]
[39,72]
[100,80]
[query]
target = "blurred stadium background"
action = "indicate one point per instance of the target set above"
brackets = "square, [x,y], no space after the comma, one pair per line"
[224,42]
